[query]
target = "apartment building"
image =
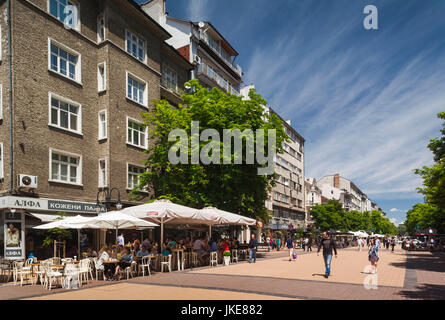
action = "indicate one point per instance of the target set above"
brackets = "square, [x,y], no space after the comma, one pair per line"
[204,46]
[287,199]
[345,191]
[313,193]
[80,82]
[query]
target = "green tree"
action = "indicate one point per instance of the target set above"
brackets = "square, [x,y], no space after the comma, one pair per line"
[328,216]
[233,187]
[424,215]
[57,233]
[434,177]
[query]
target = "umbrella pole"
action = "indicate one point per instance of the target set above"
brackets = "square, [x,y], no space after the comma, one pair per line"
[210,232]
[162,233]
[78,243]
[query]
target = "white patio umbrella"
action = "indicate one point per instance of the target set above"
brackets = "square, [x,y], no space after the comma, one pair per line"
[118,220]
[78,222]
[225,217]
[165,211]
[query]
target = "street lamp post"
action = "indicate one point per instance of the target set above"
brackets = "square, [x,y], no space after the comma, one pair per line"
[108,192]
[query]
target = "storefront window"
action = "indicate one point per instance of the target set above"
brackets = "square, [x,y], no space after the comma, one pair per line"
[2,235]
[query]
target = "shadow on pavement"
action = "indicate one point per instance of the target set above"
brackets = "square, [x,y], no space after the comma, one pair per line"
[427,262]
[425,292]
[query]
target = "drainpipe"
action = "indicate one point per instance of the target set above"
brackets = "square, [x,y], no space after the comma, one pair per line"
[11,162]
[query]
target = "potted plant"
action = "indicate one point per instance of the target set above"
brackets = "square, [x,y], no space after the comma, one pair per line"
[226,255]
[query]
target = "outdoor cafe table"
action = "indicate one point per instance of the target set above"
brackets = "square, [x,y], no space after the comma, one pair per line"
[179,252]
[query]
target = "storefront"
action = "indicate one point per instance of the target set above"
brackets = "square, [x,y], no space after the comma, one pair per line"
[18,216]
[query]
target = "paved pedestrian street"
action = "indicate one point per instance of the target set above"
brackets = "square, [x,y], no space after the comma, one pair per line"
[401,275]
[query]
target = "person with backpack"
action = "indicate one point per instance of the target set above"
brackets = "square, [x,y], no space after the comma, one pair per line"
[290,246]
[373,255]
[328,245]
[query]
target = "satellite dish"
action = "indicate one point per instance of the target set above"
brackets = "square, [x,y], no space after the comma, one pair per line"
[201,24]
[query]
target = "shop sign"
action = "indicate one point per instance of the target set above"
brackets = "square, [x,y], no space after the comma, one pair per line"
[14,235]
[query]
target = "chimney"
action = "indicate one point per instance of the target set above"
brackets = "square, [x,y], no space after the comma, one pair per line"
[337,181]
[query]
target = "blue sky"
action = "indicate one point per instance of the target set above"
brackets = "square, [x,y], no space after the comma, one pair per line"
[365,101]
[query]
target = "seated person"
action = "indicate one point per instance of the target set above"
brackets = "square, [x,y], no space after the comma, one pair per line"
[106,268]
[181,243]
[213,246]
[154,249]
[166,250]
[124,262]
[172,243]
[199,248]
[91,253]
[143,252]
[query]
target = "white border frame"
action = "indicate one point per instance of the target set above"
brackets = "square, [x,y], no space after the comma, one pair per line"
[126,133]
[78,78]
[126,170]
[70,154]
[106,172]
[78,27]
[99,124]
[79,117]
[2,166]
[145,97]
[141,38]
[105,87]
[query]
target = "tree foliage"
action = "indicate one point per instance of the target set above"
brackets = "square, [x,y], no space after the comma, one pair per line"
[333,216]
[434,177]
[431,213]
[233,187]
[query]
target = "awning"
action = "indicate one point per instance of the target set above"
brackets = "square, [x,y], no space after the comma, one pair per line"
[45,217]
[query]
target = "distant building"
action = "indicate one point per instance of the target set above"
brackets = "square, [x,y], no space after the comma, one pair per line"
[287,199]
[203,45]
[345,191]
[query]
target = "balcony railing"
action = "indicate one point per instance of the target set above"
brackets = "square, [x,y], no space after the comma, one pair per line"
[223,83]
[219,52]
[172,86]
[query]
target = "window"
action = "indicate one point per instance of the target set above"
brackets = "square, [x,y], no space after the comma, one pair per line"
[58,8]
[64,60]
[136,133]
[65,114]
[101,27]
[135,46]
[276,196]
[101,77]
[1,161]
[136,89]
[65,167]
[134,175]
[102,173]
[1,100]
[169,79]
[102,124]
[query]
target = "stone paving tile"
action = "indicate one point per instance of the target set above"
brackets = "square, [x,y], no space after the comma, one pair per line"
[349,267]
[132,291]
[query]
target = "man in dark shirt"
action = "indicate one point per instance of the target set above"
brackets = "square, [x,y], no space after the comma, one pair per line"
[253,245]
[328,245]
[290,246]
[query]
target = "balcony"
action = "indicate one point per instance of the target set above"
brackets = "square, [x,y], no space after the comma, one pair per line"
[214,76]
[212,45]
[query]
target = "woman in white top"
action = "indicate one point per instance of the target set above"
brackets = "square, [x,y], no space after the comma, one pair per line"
[105,256]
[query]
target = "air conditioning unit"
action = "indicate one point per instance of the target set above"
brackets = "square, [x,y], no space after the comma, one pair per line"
[196,59]
[27,181]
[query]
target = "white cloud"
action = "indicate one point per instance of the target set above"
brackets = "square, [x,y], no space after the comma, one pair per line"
[364,113]
[397,210]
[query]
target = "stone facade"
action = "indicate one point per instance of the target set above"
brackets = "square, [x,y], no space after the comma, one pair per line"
[33,27]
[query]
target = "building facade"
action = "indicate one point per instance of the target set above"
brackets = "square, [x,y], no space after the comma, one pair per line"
[204,46]
[79,85]
[345,191]
[286,202]
[313,193]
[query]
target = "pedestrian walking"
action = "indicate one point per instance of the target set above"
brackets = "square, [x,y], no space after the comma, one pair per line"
[359,244]
[253,246]
[290,246]
[309,244]
[328,244]
[393,244]
[373,255]
[388,242]
[278,244]
[303,244]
